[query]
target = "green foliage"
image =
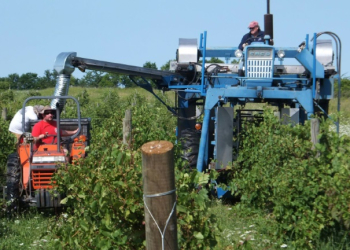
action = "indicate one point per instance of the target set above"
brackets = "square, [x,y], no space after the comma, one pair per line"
[83,98]
[104,192]
[7,146]
[150,121]
[345,88]
[109,80]
[150,65]
[91,79]
[166,66]
[212,60]
[108,105]
[5,97]
[306,197]
[278,171]
[215,60]
[4,84]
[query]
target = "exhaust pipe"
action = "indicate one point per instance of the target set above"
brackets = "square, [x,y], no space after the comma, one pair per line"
[268,23]
[61,89]
[63,66]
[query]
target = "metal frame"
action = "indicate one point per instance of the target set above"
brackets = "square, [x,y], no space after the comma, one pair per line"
[299,86]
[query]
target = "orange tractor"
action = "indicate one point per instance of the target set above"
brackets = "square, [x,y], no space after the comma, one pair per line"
[29,170]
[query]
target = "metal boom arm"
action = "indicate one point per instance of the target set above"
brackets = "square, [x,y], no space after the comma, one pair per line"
[66,62]
[84,63]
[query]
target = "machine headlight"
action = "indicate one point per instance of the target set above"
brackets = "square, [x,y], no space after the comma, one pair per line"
[281,53]
[238,53]
[48,159]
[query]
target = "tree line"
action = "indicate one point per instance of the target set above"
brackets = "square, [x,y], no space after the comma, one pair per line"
[90,79]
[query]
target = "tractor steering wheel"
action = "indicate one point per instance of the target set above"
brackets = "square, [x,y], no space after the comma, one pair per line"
[49,135]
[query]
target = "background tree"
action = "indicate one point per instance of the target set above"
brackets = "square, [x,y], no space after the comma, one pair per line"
[13,79]
[212,60]
[150,65]
[74,81]
[49,79]
[215,60]
[109,80]
[91,79]
[166,66]
[4,83]
[126,82]
[28,81]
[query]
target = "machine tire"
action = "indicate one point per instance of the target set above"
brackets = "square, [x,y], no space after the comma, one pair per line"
[13,176]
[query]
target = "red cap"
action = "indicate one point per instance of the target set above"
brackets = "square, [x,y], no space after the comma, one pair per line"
[253,24]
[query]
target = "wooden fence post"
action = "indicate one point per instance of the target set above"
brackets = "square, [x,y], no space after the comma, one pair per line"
[127,128]
[159,195]
[315,129]
[4,114]
[4,192]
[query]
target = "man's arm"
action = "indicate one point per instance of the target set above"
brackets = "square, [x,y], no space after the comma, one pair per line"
[68,132]
[36,133]
[244,39]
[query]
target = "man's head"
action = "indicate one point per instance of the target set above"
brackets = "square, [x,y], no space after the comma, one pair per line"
[48,113]
[254,28]
[38,109]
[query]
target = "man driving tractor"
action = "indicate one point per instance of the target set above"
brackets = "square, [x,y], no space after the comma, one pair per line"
[45,131]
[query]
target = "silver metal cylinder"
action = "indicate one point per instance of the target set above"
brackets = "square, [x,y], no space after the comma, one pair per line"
[62,86]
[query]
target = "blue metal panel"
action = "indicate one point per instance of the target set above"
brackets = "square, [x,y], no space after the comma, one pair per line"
[203,144]
[220,192]
[221,52]
[327,88]
[306,59]
[290,52]
[214,95]
[224,80]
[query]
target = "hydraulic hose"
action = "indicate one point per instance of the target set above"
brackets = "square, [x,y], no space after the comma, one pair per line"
[338,62]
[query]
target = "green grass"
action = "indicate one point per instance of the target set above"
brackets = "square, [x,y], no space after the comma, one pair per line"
[25,231]
[242,228]
[249,229]
[245,228]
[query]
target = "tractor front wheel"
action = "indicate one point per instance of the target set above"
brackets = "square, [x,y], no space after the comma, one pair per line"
[13,182]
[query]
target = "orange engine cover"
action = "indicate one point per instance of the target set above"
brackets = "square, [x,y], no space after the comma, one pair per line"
[45,161]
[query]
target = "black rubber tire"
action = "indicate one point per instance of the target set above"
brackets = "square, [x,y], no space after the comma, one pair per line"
[13,182]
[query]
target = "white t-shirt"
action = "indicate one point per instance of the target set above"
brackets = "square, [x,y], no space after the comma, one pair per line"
[16,123]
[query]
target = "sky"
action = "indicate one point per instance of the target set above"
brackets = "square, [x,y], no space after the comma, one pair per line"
[34,33]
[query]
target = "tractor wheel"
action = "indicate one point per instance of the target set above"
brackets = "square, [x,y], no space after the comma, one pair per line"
[13,182]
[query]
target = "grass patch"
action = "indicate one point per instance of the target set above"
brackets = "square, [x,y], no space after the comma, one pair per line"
[249,229]
[245,228]
[25,231]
